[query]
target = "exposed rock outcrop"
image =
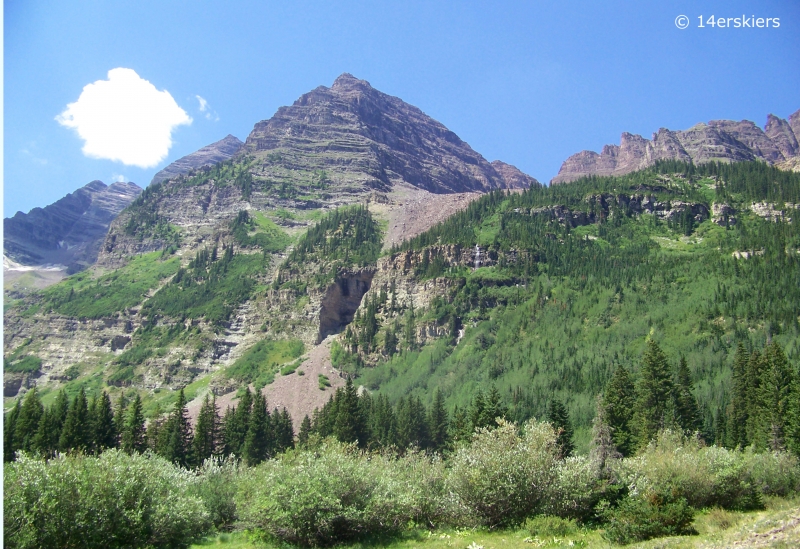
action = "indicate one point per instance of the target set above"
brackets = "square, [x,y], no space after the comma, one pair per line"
[70,231]
[366,140]
[719,140]
[207,156]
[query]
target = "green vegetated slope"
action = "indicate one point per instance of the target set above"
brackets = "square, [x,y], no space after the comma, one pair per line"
[562,306]
[87,295]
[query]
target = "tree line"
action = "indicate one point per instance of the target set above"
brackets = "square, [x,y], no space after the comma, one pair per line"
[763,411]
[373,422]
[248,430]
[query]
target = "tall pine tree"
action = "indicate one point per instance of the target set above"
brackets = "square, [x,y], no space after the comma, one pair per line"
[653,395]
[618,404]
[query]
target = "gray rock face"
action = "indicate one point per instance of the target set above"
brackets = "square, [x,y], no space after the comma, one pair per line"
[719,140]
[513,177]
[370,140]
[207,156]
[69,231]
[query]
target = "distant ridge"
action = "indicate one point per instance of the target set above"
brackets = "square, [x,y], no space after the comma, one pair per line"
[719,140]
[69,231]
[207,156]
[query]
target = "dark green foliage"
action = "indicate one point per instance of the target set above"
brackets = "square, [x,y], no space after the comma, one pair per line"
[618,404]
[652,516]
[305,432]
[349,424]
[206,431]
[345,237]
[653,409]
[27,422]
[737,412]
[76,435]
[558,417]
[686,410]
[101,419]
[132,438]
[259,437]
[236,424]
[175,436]
[438,423]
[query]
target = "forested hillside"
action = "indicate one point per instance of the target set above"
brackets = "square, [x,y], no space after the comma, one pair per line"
[572,279]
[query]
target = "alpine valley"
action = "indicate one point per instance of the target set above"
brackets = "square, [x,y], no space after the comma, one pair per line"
[351,236]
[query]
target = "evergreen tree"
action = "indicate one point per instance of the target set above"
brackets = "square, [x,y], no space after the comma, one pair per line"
[119,417]
[382,422]
[132,438]
[257,441]
[154,427]
[49,432]
[350,424]
[686,410]
[283,430]
[653,394]
[776,394]
[618,404]
[477,416]
[438,423]
[603,449]
[10,443]
[104,434]
[736,431]
[305,431]
[206,431]
[757,421]
[558,417]
[237,423]
[27,424]
[493,408]
[410,330]
[412,428]
[175,437]
[76,434]
[461,426]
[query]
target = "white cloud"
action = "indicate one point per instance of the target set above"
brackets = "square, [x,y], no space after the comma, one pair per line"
[125,118]
[117,178]
[204,107]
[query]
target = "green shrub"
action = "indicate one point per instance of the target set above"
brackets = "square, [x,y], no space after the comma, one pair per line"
[547,526]
[501,478]
[114,500]
[575,490]
[217,486]
[331,494]
[773,473]
[642,518]
[704,476]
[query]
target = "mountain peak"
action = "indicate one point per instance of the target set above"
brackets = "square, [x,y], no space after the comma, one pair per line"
[369,140]
[348,81]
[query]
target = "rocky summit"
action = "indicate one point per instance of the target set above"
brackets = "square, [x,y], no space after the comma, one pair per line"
[68,232]
[366,140]
[719,140]
[207,156]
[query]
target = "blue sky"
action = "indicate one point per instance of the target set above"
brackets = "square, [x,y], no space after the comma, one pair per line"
[528,83]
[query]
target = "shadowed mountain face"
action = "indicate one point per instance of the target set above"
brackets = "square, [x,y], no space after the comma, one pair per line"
[207,156]
[69,231]
[719,140]
[364,139]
